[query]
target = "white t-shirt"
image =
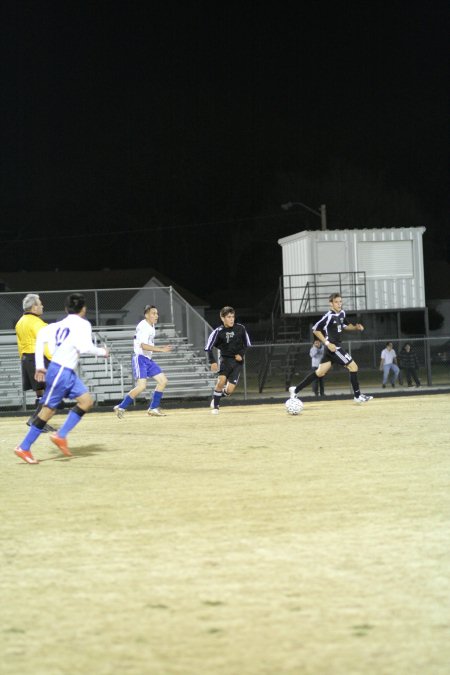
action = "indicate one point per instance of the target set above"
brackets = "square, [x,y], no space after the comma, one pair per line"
[145,333]
[66,340]
[388,356]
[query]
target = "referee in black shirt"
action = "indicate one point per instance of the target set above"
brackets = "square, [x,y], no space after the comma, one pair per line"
[231,339]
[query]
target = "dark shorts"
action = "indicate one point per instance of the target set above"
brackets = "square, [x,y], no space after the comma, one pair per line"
[28,366]
[231,368]
[340,357]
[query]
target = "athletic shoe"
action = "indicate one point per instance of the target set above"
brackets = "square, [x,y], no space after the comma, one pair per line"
[362,398]
[61,443]
[25,455]
[120,412]
[292,393]
[215,411]
[156,412]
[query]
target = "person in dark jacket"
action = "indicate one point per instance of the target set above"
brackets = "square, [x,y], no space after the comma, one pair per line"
[409,363]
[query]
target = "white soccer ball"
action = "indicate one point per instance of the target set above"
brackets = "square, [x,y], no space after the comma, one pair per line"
[294,406]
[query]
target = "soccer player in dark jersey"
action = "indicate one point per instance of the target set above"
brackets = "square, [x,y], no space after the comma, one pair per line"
[231,339]
[329,331]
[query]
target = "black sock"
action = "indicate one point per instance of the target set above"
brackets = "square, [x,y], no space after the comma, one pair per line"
[355,384]
[304,383]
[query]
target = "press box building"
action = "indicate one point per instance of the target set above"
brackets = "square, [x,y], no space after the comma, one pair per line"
[375,270]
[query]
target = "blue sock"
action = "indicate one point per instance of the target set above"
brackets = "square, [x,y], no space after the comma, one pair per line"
[31,436]
[126,402]
[156,399]
[72,420]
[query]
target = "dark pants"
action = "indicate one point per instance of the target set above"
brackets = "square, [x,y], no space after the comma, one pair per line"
[317,386]
[411,374]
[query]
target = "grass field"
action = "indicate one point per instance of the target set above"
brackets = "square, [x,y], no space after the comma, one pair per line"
[251,543]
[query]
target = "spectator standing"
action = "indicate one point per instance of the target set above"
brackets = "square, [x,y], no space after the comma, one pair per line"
[409,363]
[316,353]
[388,363]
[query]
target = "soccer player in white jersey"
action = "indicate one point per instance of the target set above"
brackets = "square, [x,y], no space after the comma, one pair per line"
[66,339]
[329,331]
[143,365]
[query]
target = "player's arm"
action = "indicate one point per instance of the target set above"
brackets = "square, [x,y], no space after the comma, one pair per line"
[324,340]
[153,348]
[245,344]
[210,345]
[354,326]
[85,344]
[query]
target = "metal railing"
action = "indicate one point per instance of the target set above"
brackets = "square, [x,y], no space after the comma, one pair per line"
[116,307]
[301,293]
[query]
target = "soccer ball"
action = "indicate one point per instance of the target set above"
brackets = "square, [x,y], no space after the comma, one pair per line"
[294,406]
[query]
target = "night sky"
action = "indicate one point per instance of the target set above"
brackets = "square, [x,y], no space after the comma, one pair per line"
[168,137]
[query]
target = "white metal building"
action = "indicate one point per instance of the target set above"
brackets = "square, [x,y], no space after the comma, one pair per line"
[373,269]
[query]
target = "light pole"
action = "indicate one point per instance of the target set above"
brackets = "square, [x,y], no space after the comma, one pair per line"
[322,213]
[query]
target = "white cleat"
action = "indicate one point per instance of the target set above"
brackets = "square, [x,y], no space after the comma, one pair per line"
[362,398]
[155,412]
[120,412]
[215,411]
[292,393]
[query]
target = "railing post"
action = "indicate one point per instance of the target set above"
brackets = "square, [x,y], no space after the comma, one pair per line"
[97,316]
[172,318]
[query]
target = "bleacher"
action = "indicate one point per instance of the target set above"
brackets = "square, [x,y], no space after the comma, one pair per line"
[110,379]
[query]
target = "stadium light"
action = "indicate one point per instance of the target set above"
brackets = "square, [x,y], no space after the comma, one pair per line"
[322,213]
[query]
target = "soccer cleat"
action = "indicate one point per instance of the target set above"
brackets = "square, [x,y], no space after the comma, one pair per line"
[362,398]
[292,393]
[61,443]
[155,412]
[25,455]
[120,412]
[215,411]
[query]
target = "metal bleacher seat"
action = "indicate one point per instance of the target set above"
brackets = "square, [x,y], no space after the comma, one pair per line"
[109,379]
[186,370]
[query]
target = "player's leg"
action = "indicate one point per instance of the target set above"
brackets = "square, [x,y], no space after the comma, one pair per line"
[161,383]
[139,367]
[218,392]
[140,386]
[76,390]
[321,371]
[56,383]
[352,367]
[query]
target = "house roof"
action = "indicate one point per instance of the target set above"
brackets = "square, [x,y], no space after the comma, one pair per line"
[66,280]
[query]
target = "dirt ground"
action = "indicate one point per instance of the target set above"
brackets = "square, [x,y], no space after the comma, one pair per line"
[251,543]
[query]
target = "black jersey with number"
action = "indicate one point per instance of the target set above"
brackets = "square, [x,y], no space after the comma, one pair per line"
[230,341]
[331,325]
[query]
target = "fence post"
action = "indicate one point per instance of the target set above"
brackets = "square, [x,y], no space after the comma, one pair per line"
[245,381]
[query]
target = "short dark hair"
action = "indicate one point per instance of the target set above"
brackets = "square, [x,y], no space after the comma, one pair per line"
[333,296]
[74,303]
[226,310]
[147,308]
